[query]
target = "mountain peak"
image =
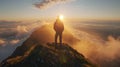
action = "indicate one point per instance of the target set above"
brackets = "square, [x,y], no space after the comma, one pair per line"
[47,55]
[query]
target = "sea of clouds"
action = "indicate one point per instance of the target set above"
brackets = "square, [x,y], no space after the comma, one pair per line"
[99,40]
[13,34]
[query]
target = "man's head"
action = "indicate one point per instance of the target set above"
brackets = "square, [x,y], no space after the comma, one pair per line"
[58,19]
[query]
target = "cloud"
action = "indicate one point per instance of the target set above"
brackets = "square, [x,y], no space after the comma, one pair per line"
[48,3]
[2,42]
[103,53]
[13,42]
[22,29]
[6,42]
[13,32]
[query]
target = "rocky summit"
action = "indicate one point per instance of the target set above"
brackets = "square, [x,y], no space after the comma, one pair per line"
[47,55]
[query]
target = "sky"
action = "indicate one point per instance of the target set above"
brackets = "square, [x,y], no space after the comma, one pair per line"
[104,36]
[89,9]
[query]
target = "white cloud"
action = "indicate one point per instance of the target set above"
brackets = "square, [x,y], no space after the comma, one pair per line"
[22,29]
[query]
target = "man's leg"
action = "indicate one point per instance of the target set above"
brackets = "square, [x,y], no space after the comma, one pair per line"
[60,38]
[56,36]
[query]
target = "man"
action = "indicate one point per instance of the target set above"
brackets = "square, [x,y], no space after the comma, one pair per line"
[59,28]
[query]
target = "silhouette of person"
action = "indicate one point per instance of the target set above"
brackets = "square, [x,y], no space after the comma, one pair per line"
[59,28]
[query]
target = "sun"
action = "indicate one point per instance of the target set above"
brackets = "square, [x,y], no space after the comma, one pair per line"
[61,17]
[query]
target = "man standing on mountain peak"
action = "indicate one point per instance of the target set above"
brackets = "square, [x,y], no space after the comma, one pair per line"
[59,28]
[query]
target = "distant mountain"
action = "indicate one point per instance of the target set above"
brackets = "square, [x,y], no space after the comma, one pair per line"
[34,52]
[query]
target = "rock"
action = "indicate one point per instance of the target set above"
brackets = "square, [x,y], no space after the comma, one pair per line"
[48,55]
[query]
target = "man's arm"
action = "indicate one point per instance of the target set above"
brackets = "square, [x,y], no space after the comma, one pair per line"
[54,26]
[62,26]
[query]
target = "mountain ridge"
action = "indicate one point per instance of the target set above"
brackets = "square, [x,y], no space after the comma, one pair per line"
[34,52]
[49,55]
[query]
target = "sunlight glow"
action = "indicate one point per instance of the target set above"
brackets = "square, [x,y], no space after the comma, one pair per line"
[61,17]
